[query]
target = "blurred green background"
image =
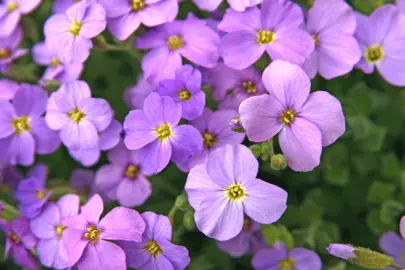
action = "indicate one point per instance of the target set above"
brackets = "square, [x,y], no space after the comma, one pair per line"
[356,194]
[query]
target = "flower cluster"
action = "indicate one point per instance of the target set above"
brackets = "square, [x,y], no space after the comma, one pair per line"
[210,87]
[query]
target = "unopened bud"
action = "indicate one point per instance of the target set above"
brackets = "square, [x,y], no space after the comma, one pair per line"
[100,43]
[181,201]
[188,221]
[278,162]
[256,150]
[50,85]
[235,124]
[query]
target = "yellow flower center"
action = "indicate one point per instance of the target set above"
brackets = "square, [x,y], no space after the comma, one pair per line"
[316,40]
[21,124]
[92,234]
[59,230]
[235,192]
[75,28]
[14,237]
[250,87]
[209,139]
[11,6]
[153,247]
[138,5]
[265,37]
[4,53]
[184,94]
[247,224]
[41,194]
[76,115]
[164,132]
[175,42]
[287,264]
[374,54]
[55,62]
[132,171]
[288,116]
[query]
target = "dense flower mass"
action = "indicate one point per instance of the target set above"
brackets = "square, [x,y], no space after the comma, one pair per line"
[172,107]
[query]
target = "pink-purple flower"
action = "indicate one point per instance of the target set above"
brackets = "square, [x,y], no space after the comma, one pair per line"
[342,251]
[332,25]
[154,131]
[225,189]
[9,48]
[155,251]
[78,116]
[135,95]
[60,6]
[8,88]
[274,28]
[48,228]
[238,5]
[393,245]
[125,16]
[305,122]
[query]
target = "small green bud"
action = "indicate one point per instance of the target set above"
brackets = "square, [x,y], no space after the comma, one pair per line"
[8,212]
[256,150]
[181,201]
[100,43]
[52,85]
[278,162]
[188,221]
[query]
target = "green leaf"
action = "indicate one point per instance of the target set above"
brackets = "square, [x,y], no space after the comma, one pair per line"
[327,233]
[277,233]
[390,166]
[376,225]
[390,211]
[337,176]
[380,192]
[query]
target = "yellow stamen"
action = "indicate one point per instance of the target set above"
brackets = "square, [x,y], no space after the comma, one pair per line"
[55,62]
[59,230]
[21,124]
[164,132]
[288,116]
[316,40]
[138,5]
[287,264]
[14,237]
[4,53]
[132,171]
[374,54]
[153,247]
[76,115]
[175,42]
[250,87]
[184,94]
[11,6]
[41,194]
[75,28]
[265,37]
[209,139]
[235,192]
[92,234]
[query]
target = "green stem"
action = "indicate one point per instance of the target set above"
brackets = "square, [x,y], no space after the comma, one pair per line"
[58,192]
[9,212]
[396,267]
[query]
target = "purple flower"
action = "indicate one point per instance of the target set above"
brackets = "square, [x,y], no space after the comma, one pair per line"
[332,25]
[275,29]
[190,38]
[401,5]
[279,257]
[46,55]
[237,5]
[11,11]
[379,36]
[248,241]
[124,178]
[31,192]
[216,132]
[48,228]
[393,245]
[222,79]
[125,16]
[9,47]
[60,6]
[155,251]
[305,121]
[83,182]
[8,89]
[85,236]
[78,116]
[71,33]
[155,133]
[224,189]
[342,251]
[108,139]
[185,90]
[23,131]
[11,177]
[19,239]
[135,95]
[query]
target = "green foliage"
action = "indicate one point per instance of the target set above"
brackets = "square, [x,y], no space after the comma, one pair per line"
[277,233]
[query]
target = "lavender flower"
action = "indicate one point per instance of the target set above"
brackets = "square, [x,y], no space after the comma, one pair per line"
[279,257]
[305,121]
[332,25]
[71,33]
[342,251]
[190,38]
[19,239]
[78,116]
[108,139]
[46,55]
[8,89]
[222,79]
[23,131]
[155,133]
[10,177]
[85,236]
[393,245]
[11,11]
[155,251]
[237,5]
[248,241]
[125,17]
[224,189]
[275,29]
[378,37]
[83,182]
[135,95]
[216,132]
[185,90]
[60,6]
[9,48]
[48,228]
[400,5]
[124,179]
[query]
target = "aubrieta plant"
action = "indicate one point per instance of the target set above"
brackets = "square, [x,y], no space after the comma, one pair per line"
[202,134]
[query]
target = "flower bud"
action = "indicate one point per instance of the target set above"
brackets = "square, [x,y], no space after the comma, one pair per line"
[278,162]
[100,43]
[235,125]
[50,85]
[188,221]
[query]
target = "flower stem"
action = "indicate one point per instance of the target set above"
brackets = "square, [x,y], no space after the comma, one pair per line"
[396,267]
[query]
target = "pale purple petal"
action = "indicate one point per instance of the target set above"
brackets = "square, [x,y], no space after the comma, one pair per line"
[22,149]
[186,141]
[237,21]
[156,63]
[278,14]
[177,255]
[392,244]
[123,26]
[9,23]
[220,165]
[46,140]
[103,255]
[133,192]
[341,251]
[269,258]
[110,137]
[157,226]
[68,205]
[93,209]
[157,154]
[136,255]
[161,110]
[242,5]
[24,258]
[40,172]
[94,22]
[8,89]
[391,68]
[43,225]
[139,131]
[48,253]
[209,5]
[159,12]
[74,242]
[7,114]
[82,136]
[98,112]
[237,246]
[305,259]
[23,98]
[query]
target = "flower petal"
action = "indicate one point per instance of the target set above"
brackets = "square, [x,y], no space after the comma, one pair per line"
[305,259]
[280,13]
[161,110]
[269,258]
[133,192]
[157,226]
[98,112]
[156,155]
[138,130]
[122,27]
[94,21]
[93,209]
[392,244]
[82,136]
[68,205]
[186,141]
[43,225]
[177,255]
[103,255]
[23,98]
[46,140]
